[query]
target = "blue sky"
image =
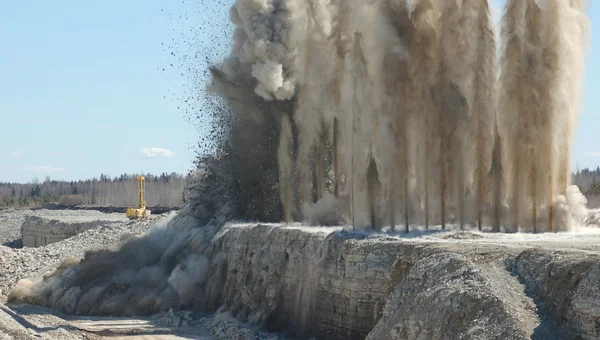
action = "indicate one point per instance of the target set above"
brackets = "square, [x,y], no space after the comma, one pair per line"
[83,90]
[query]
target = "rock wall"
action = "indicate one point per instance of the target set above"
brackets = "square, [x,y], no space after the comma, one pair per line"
[345,285]
[292,279]
[38,231]
[565,286]
[334,284]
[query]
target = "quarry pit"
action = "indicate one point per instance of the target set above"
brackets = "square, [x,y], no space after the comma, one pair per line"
[378,115]
[297,282]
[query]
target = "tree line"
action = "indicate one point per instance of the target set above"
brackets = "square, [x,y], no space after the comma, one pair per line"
[164,190]
[588,180]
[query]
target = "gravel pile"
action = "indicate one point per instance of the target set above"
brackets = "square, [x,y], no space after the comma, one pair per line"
[593,219]
[30,263]
[12,219]
[461,235]
[10,224]
[219,326]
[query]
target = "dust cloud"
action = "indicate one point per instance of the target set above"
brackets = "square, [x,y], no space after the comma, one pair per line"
[404,110]
[166,268]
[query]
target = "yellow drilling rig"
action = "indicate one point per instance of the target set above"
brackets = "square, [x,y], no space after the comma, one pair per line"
[141,211]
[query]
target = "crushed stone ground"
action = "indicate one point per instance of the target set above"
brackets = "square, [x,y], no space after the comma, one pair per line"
[28,322]
[32,322]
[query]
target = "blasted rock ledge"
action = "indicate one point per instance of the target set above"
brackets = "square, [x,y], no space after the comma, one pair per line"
[345,285]
[40,231]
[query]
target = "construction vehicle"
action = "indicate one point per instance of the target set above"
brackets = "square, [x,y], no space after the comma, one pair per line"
[141,211]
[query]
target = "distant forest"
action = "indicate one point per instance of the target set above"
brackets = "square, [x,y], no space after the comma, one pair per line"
[165,190]
[588,182]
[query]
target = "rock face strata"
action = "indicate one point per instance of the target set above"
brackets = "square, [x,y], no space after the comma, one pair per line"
[335,284]
[565,287]
[345,285]
[38,231]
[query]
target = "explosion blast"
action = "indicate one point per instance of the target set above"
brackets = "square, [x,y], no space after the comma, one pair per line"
[376,112]
[395,104]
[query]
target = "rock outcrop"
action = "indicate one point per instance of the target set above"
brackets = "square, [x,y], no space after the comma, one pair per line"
[566,288]
[346,285]
[38,231]
[335,284]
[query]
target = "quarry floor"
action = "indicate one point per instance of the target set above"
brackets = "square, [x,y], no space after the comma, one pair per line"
[33,322]
[29,322]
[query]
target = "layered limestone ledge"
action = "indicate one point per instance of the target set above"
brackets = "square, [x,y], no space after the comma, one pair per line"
[334,284]
[40,231]
[346,285]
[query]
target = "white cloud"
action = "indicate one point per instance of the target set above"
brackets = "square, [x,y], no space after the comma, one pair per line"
[156,152]
[592,154]
[17,153]
[42,169]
